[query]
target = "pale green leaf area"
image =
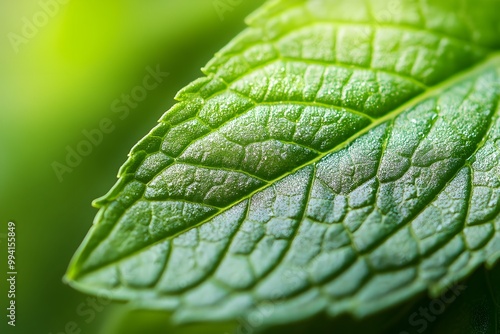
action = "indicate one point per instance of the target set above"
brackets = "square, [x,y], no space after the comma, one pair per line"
[333,160]
[470,307]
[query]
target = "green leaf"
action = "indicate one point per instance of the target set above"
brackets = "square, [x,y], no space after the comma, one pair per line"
[467,307]
[335,159]
[127,320]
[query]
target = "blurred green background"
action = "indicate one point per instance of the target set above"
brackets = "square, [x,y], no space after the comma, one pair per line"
[63,63]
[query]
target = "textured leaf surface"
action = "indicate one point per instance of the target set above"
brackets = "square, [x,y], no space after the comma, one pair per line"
[467,307]
[334,159]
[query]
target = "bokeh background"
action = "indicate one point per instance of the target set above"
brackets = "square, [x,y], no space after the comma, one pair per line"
[60,72]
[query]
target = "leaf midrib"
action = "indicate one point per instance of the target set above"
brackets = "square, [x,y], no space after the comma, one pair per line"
[491,60]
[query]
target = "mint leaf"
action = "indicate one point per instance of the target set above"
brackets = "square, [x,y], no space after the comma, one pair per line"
[467,307]
[127,320]
[333,160]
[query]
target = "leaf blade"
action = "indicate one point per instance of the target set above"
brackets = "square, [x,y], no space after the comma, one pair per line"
[409,136]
